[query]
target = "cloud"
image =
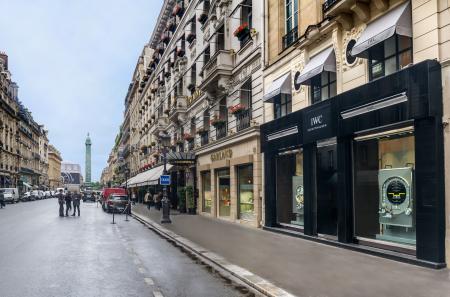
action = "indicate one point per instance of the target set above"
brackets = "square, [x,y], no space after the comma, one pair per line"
[73,61]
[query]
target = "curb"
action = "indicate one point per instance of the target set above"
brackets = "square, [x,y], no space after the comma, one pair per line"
[245,277]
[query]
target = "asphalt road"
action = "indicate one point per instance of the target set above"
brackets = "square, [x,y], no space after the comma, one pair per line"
[44,255]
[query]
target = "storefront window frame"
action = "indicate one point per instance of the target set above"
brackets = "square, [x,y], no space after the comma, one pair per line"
[238,183]
[397,129]
[282,106]
[202,174]
[318,84]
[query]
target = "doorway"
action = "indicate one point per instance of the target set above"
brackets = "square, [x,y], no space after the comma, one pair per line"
[224,197]
[327,178]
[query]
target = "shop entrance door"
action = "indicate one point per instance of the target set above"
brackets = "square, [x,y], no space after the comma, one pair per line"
[327,188]
[224,203]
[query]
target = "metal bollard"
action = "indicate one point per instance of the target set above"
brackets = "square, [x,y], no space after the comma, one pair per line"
[113,222]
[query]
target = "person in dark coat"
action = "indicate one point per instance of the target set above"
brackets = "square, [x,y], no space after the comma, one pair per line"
[2,199]
[60,197]
[68,203]
[76,203]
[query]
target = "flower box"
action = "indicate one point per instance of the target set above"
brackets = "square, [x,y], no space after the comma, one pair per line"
[180,52]
[188,137]
[179,141]
[202,131]
[237,109]
[178,10]
[242,31]
[216,122]
[190,37]
[202,18]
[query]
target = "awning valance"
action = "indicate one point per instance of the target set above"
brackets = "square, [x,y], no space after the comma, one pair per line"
[323,61]
[181,158]
[149,177]
[27,185]
[281,85]
[398,20]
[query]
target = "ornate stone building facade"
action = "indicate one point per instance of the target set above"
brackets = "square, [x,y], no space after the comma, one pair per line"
[9,147]
[54,167]
[340,82]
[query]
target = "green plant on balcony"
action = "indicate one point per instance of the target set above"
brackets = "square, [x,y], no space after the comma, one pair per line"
[242,31]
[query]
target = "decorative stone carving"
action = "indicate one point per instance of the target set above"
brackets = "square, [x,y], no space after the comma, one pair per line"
[354,33]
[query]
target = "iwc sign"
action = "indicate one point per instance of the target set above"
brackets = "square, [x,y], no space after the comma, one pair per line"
[317,123]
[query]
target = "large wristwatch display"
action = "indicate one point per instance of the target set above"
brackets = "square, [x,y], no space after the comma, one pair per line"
[396,207]
[298,199]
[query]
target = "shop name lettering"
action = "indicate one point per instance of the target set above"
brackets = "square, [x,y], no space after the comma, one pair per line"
[317,123]
[222,155]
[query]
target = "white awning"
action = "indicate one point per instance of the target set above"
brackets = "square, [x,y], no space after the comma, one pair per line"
[323,61]
[398,20]
[149,177]
[281,85]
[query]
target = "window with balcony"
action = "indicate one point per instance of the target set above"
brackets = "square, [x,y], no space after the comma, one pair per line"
[220,38]
[389,56]
[323,86]
[291,23]
[243,111]
[243,31]
[193,74]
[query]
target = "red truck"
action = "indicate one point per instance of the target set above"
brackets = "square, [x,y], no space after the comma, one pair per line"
[107,193]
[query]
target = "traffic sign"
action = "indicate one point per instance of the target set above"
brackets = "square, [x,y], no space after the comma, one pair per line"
[164,180]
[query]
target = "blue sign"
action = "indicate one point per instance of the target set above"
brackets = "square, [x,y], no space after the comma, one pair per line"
[164,180]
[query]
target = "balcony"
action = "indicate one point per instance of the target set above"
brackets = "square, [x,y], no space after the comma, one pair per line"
[216,72]
[290,38]
[221,131]
[343,10]
[243,119]
[178,112]
[160,125]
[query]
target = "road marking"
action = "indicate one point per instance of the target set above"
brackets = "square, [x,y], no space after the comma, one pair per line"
[141,269]
[149,281]
[157,294]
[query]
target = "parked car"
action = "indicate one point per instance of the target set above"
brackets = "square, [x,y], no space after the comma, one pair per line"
[47,194]
[11,195]
[37,195]
[116,203]
[27,196]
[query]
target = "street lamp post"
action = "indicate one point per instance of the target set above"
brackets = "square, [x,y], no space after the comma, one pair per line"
[165,201]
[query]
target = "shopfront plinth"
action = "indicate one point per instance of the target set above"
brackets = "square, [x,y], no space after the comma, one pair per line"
[372,170]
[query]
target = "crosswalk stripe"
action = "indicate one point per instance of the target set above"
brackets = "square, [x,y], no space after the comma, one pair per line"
[149,281]
[157,294]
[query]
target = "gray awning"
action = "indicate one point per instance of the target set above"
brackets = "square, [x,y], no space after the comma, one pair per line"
[149,177]
[323,61]
[27,185]
[282,85]
[398,20]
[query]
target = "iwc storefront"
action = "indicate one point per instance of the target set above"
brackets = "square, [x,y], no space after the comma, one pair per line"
[364,169]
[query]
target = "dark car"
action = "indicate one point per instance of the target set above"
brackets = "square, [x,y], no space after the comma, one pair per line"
[116,203]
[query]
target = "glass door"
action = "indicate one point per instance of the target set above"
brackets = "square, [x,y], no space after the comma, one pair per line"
[327,188]
[224,203]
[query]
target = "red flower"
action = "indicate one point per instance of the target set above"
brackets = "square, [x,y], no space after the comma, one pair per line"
[241,28]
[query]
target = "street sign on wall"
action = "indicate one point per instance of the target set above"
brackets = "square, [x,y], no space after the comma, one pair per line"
[164,180]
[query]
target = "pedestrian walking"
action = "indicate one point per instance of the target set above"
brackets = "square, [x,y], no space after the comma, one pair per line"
[68,203]
[2,199]
[60,197]
[157,199]
[76,204]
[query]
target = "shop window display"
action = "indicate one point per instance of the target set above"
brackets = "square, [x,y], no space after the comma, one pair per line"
[384,187]
[289,188]
[224,202]
[245,181]
[206,190]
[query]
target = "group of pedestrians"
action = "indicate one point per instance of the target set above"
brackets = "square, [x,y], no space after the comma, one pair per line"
[153,200]
[68,199]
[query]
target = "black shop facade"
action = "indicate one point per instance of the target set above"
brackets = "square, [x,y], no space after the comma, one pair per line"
[364,169]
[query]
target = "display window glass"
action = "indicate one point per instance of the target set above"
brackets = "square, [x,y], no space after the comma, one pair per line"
[206,191]
[245,191]
[384,207]
[289,187]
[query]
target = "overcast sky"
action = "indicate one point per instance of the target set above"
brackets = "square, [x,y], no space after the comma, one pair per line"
[73,61]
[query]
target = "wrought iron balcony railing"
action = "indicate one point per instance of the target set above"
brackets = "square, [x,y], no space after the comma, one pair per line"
[243,119]
[204,138]
[221,131]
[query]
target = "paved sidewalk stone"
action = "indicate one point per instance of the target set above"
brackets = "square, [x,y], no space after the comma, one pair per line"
[303,267]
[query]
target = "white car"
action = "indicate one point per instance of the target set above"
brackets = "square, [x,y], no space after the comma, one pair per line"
[26,196]
[11,194]
[47,194]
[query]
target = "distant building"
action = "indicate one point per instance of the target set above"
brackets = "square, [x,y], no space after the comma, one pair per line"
[71,174]
[54,167]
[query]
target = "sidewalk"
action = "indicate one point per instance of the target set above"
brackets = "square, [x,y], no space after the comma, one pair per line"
[303,267]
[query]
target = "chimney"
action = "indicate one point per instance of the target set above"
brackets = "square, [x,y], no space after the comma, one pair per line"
[4,57]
